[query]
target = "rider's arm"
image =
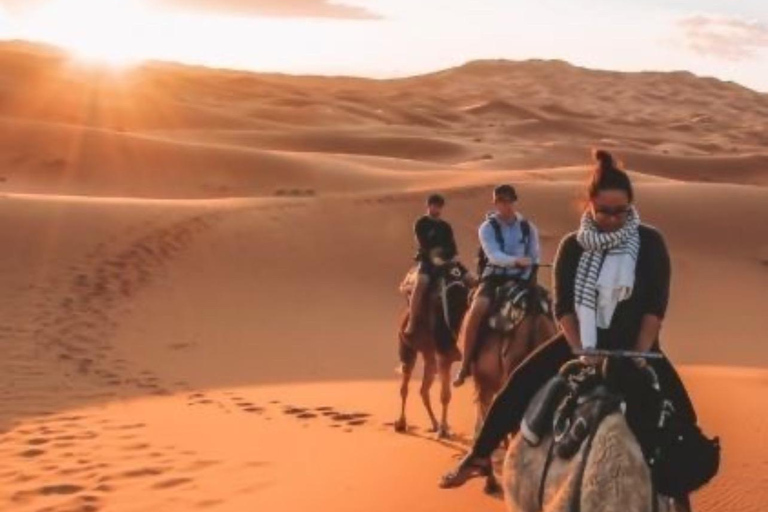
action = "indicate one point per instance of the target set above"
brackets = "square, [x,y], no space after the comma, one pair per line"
[656,272]
[451,243]
[570,325]
[564,273]
[421,229]
[492,248]
[649,333]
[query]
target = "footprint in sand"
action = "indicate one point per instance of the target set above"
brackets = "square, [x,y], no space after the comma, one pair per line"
[48,490]
[142,472]
[353,419]
[300,412]
[246,406]
[199,399]
[28,454]
[173,482]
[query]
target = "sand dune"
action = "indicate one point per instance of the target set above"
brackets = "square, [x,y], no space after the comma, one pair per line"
[218,308]
[63,159]
[200,270]
[496,112]
[376,142]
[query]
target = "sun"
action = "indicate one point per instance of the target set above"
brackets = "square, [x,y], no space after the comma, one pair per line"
[115,56]
[106,32]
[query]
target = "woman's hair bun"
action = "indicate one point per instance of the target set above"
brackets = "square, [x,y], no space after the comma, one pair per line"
[604,159]
[607,175]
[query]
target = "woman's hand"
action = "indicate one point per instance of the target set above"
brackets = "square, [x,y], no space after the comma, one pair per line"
[592,360]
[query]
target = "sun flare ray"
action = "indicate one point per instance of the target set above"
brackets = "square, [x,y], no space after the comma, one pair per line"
[105,32]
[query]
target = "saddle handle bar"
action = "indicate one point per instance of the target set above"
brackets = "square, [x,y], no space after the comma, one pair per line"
[629,354]
[620,354]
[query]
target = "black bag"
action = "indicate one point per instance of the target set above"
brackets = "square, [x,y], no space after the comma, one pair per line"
[684,459]
[482,258]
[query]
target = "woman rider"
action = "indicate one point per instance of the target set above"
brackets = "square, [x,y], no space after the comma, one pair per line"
[612,281]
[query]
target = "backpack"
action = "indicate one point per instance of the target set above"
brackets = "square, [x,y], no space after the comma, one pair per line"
[684,458]
[482,258]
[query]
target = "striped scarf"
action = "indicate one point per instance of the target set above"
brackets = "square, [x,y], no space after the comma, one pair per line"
[605,275]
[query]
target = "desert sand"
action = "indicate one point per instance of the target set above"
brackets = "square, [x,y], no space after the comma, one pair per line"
[201,266]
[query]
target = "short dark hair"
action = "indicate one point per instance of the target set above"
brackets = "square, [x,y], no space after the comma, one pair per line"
[507,192]
[436,199]
[607,175]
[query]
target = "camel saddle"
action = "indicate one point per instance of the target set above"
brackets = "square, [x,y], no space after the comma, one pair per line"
[571,406]
[514,301]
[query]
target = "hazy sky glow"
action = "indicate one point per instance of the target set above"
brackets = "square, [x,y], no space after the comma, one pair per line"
[383,38]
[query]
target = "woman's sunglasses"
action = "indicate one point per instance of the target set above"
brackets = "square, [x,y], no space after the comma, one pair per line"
[607,211]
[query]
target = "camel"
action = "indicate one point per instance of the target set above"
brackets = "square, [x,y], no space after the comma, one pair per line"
[616,476]
[500,351]
[434,339]
[607,471]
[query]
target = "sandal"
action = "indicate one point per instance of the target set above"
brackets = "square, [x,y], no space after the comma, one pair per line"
[461,377]
[467,469]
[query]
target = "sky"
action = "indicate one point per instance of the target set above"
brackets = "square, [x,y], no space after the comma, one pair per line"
[727,39]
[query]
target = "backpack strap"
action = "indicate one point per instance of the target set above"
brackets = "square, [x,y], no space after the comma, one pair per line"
[497,231]
[525,227]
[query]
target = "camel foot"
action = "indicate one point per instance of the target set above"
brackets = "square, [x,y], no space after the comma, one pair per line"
[492,486]
[444,432]
[401,426]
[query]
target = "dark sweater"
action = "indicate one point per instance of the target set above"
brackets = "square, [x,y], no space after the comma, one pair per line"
[434,234]
[649,296]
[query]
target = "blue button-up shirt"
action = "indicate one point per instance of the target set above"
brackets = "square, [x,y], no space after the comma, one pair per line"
[502,262]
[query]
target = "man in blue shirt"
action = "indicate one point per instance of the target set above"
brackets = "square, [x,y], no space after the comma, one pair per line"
[511,250]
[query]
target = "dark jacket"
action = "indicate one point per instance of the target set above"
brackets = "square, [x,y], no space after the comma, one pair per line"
[649,297]
[432,234]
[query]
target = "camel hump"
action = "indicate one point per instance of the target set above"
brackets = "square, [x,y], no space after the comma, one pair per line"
[616,475]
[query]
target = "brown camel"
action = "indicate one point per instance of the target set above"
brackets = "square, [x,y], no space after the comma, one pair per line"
[434,339]
[501,351]
[615,477]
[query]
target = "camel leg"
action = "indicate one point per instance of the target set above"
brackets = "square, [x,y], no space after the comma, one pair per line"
[406,372]
[483,401]
[487,375]
[485,395]
[487,378]
[430,368]
[682,504]
[445,396]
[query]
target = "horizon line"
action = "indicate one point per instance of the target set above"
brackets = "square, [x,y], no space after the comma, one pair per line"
[384,77]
